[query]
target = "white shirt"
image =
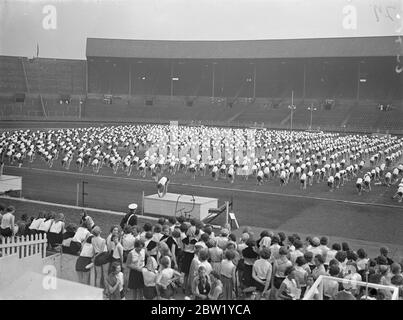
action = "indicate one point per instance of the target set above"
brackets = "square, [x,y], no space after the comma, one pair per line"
[36,223]
[261,268]
[45,225]
[149,277]
[6,221]
[80,235]
[128,241]
[57,227]
[87,250]
[138,258]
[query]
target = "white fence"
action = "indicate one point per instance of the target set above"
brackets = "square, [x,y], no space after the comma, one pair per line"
[24,246]
[392,291]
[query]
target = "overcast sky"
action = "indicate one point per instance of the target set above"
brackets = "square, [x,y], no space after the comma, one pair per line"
[61,30]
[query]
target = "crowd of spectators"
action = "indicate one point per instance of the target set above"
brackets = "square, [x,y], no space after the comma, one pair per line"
[176,258]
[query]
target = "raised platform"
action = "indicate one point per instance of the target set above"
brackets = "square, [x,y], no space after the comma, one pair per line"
[173,204]
[10,183]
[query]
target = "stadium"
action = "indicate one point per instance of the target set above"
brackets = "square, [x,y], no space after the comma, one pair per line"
[244,152]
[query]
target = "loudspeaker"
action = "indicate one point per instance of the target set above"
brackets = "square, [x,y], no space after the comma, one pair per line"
[149,102]
[189,103]
[20,97]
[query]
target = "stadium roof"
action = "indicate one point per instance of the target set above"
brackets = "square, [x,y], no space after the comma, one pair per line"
[244,49]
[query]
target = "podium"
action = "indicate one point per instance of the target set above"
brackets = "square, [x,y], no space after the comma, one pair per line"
[173,204]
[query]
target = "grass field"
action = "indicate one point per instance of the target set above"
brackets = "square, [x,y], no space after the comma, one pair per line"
[373,216]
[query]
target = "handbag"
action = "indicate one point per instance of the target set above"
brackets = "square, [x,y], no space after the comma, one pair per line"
[102,258]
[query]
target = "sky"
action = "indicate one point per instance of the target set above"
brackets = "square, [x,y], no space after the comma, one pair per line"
[60,27]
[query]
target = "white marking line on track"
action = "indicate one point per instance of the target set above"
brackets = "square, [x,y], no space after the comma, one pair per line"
[118,213]
[214,187]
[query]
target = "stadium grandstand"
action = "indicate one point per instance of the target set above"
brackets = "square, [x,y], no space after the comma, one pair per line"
[146,167]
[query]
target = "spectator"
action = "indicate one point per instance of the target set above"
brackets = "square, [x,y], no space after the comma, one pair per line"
[216,256]
[114,231]
[319,267]
[68,236]
[298,245]
[188,253]
[2,206]
[7,223]
[290,243]
[331,254]
[245,266]
[101,257]
[36,222]
[228,270]
[127,241]
[324,248]
[150,275]
[174,245]
[242,243]
[362,261]
[114,283]
[345,294]
[331,287]
[55,234]
[309,283]
[44,227]
[345,247]
[172,223]
[203,256]
[280,266]
[23,225]
[222,240]
[341,257]
[308,256]
[384,251]
[136,262]
[301,273]
[201,284]
[353,275]
[262,271]
[274,248]
[84,261]
[282,238]
[231,246]
[117,251]
[315,249]
[166,279]
[264,241]
[216,290]
[163,251]
[289,288]
[80,236]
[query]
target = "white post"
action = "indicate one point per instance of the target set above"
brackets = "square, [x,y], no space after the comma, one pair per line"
[226,213]
[78,194]
[142,204]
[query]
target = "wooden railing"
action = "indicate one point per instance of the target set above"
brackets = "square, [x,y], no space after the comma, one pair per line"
[24,246]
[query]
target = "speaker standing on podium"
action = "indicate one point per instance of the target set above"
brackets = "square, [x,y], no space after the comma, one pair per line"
[162,186]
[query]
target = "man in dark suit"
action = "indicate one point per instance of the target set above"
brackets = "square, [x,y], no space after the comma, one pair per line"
[130,218]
